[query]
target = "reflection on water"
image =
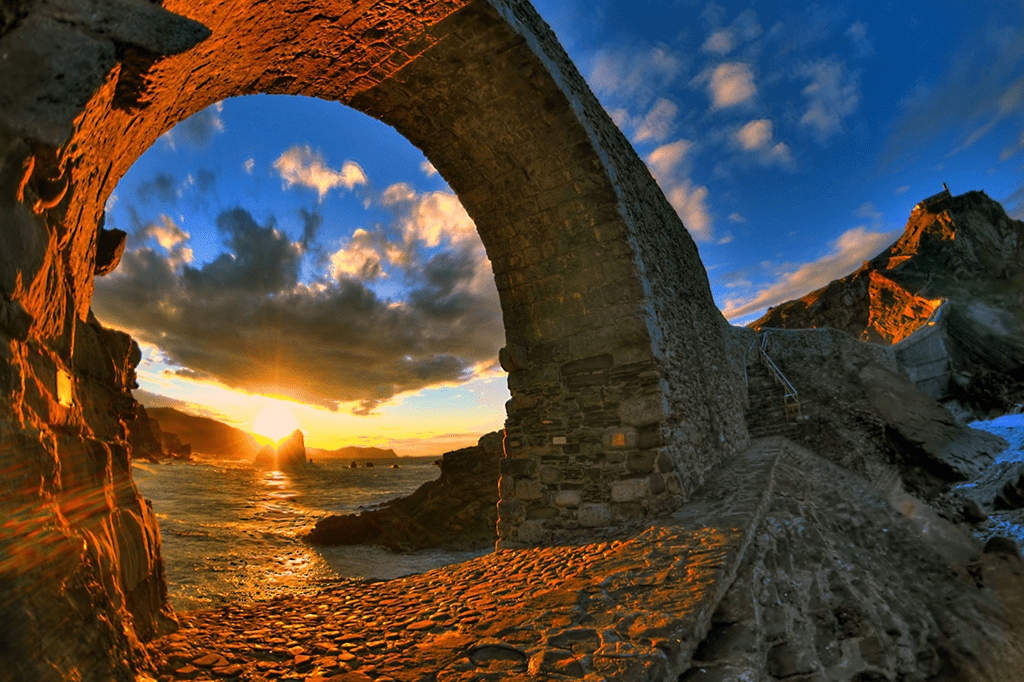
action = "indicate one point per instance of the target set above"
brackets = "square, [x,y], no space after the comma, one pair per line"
[230,532]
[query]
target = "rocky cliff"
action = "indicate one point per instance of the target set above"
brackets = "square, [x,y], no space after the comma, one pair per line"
[961,252]
[456,511]
[145,437]
[206,436]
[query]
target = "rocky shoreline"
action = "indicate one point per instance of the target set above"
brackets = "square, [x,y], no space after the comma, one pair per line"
[458,511]
[787,568]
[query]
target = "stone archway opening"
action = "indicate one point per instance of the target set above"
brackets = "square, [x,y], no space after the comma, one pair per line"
[621,396]
[185,289]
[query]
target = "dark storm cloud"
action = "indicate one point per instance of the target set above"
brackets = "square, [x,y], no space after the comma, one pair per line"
[311,223]
[162,187]
[244,320]
[198,129]
[261,260]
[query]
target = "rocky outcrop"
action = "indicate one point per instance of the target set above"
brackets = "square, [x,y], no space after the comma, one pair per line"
[291,452]
[457,511]
[266,458]
[961,252]
[860,411]
[145,437]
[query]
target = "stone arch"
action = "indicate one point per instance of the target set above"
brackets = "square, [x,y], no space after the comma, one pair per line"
[614,348]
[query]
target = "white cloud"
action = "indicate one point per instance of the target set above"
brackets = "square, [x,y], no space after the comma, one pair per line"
[730,84]
[721,42]
[635,73]
[737,218]
[359,259]
[249,164]
[726,238]
[667,164]
[170,237]
[428,169]
[848,252]
[756,136]
[429,217]
[902,189]
[858,35]
[833,95]
[658,122]
[691,203]
[667,158]
[867,210]
[300,165]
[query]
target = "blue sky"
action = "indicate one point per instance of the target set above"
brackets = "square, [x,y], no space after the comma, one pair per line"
[295,249]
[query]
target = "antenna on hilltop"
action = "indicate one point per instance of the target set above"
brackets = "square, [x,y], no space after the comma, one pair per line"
[946,188]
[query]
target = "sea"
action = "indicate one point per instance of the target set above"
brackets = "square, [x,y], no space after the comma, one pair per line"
[231,533]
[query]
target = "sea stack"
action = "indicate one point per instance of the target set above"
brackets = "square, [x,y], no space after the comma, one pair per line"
[291,453]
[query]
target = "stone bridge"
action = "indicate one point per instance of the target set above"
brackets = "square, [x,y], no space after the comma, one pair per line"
[613,342]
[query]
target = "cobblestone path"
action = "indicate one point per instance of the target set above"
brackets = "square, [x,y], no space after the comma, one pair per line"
[625,609]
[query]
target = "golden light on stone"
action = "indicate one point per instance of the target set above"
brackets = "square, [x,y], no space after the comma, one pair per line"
[65,392]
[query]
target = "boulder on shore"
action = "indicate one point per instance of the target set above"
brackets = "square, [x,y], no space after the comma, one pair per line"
[458,511]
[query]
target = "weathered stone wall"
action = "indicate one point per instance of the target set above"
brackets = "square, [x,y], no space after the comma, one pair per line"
[614,346]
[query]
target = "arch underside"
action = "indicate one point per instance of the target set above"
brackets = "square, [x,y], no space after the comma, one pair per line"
[613,343]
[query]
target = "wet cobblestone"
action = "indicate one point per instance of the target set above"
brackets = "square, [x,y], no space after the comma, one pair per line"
[634,608]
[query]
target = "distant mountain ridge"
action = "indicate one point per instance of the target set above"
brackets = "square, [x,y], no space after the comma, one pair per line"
[211,437]
[206,436]
[352,452]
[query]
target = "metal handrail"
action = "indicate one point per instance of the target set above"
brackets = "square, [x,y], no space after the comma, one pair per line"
[790,391]
[746,380]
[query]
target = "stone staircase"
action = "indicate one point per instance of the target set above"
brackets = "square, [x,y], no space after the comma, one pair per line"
[766,404]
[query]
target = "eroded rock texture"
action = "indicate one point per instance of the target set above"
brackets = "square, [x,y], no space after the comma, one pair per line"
[613,338]
[846,581]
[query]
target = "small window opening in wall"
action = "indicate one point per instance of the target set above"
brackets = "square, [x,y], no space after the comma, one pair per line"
[65,392]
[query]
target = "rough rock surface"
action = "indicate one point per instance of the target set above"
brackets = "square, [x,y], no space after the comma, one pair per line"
[456,511]
[788,568]
[145,437]
[862,413]
[291,453]
[963,250]
[846,581]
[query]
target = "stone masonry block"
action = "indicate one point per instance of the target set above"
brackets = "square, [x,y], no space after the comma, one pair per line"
[619,438]
[529,489]
[550,475]
[643,410]
[513,358]
[568,498]
[511,511]
[586,365]
[629,489]
[517,466]
[532,532]
[642,462]
[594,515]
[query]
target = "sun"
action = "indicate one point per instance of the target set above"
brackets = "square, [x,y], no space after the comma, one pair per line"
[275,422]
